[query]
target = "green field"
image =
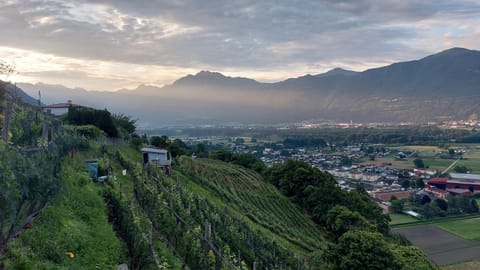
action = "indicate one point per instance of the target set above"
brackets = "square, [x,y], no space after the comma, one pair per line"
[438,163]
[467,229]
[470,265]
[401,218]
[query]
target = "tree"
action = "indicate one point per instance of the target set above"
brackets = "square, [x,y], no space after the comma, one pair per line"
[406,184]
[340,220]
[200,150]
[428,211]
[418,162]
[87,116]
[124,122]
[397,206]
[441,203]
[474,203]
[29,184]
[361,250]
[177,148]
[425,199]
[159,141]
[461,169]
[420,183]
[412,258]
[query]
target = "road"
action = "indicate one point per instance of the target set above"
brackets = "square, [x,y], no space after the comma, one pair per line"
[449,167]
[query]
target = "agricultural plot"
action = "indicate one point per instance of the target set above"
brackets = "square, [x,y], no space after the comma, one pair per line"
[247,193]
[470,265]
[401,219]
[441,246]
[466,229]
[438,164]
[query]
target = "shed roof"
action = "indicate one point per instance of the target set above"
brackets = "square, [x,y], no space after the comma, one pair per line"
[465,176]
[64,105]
[155,150]
[459,190]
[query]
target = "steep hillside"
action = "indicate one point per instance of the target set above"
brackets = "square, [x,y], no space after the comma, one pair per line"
[246,193]
[18,93]
[250,229]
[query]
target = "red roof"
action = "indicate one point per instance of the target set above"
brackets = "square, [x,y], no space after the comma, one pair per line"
[438,180]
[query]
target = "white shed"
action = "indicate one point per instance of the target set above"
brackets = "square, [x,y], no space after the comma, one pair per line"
[157,157]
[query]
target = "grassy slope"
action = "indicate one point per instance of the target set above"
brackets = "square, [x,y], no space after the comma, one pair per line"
[77,221]
[245,193]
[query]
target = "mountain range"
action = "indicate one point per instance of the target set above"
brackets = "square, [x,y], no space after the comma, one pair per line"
[442,86]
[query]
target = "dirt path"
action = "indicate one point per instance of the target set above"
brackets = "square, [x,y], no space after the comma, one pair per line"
[451,165]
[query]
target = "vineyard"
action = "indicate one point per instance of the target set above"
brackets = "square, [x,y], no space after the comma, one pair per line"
[208,235]
[247,193]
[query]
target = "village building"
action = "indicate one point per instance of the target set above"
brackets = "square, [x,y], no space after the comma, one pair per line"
[453,187]
[387,195]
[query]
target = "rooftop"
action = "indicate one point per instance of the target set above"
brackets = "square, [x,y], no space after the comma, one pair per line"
[152,149]
[465,176]
[438,180]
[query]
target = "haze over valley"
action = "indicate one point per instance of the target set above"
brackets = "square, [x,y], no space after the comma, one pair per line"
[439,87]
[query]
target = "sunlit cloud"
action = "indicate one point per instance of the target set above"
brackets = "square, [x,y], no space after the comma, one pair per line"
[113,44]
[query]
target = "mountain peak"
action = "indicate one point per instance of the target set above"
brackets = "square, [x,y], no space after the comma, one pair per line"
[211,78]
[337,71]
[454,52]
[207,73]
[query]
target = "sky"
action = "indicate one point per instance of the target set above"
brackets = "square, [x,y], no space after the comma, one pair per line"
[113,44]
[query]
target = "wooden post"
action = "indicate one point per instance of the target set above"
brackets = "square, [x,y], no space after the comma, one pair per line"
[239,260]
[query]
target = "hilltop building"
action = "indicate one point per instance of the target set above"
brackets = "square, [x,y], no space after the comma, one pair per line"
[59,108]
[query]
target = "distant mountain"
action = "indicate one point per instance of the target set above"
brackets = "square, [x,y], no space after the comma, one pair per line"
[441,86]
[337,72]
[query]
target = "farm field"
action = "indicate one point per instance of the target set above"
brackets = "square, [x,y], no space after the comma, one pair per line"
[467,229]
[470,265]
[442,247]
[432,148]
[401,218]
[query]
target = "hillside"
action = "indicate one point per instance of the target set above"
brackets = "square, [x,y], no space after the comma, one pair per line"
[17,92]
[246,193]
[57,212]
[437,87]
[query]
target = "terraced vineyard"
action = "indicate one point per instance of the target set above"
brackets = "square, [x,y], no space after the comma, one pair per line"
[247,193]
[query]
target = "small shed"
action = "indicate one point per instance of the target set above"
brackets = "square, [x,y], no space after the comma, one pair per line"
[157,157]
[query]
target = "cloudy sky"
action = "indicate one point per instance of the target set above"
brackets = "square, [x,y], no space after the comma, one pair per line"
[113,44]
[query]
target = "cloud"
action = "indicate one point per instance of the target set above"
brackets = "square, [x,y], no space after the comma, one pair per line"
[253,37]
